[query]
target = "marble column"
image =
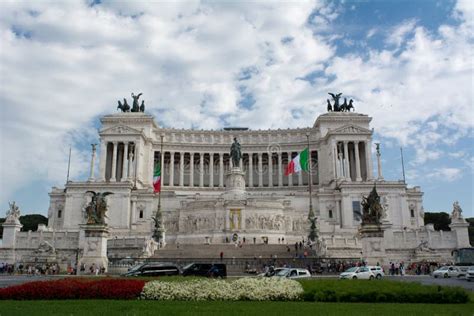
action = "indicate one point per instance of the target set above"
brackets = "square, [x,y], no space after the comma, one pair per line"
[335,160]
[171,169]
[181,169]
[91,176]
[347,172]
[368,160]
[211,170]
[130,169]
[260,170]
[201,170]
[280,171]
[103,159]
[290,176]
[125,162]
[270,170]
[300,178]
[221,170]
[191,170]
[137,161]
[250,180]
[114,163]
[357,161]
[379,163]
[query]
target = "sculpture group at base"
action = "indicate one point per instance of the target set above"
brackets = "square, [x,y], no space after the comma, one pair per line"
[96,209]
[372,209]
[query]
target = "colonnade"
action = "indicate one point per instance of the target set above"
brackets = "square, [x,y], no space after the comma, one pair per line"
[202,169]
[118,161]
[352,160]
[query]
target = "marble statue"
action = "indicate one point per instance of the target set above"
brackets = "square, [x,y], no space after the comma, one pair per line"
[457,211]
[235,153]
[13,214]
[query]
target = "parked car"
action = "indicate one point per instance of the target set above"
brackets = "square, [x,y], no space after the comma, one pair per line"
[470,273]
[271,272]
[363,273]
[293,273]
[448,272]
[214,270]
[153,269]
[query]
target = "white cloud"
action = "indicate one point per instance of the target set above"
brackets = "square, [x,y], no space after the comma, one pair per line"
[445,174]
[64,64]
[398,34]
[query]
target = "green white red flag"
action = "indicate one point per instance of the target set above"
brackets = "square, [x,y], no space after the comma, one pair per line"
[298,163]
[157,178]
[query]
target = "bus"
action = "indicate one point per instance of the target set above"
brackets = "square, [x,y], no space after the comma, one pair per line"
[463,256]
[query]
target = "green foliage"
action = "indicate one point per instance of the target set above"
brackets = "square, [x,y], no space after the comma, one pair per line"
[29,222]
[141,307]
[363,291]
[440,220]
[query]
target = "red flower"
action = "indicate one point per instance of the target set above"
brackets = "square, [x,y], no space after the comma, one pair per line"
[75,288]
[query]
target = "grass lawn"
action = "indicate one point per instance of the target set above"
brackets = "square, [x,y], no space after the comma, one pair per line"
[136,307]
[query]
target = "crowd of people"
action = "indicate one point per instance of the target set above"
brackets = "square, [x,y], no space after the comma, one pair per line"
[30,269]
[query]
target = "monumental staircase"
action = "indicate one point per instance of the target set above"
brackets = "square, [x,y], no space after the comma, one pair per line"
[239,259]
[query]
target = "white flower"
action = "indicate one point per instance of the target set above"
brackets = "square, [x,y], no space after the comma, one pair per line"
[254,289]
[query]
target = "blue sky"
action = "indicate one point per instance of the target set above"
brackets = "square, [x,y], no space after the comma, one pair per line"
[408,64]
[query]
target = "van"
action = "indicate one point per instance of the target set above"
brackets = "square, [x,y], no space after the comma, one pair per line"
[213,270]
[153,269]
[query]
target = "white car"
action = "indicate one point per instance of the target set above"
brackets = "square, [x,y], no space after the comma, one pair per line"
[293,273]
[448,272]
[470,273]
[363,273]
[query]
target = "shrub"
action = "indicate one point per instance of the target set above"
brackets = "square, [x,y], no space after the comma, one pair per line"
[244,289]
[75,289]
[380,292]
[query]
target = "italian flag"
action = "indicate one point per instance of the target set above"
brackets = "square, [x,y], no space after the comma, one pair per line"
[298,163]
[157,179]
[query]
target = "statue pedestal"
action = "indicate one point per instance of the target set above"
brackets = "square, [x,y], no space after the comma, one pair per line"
[235,181]
[373,248]
[95,248]
[460,227]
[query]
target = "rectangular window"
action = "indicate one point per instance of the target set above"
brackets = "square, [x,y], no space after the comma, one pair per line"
[356,210]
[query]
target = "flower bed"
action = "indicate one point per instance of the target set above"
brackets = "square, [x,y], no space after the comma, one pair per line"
[75,289]
[261,289]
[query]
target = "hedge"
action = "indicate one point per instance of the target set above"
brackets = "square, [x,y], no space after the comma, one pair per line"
[362,291]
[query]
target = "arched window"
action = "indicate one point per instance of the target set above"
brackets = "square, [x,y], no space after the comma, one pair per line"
[141,214]
[412,212]
[330,213]
[60,213]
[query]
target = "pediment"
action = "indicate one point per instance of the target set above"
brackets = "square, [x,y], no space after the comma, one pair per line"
[120,129]
[350,129]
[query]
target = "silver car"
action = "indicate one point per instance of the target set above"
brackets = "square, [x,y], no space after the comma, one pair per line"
[293,273]
[448,272]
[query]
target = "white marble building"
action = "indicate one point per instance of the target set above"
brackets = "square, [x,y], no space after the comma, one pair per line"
[198,207]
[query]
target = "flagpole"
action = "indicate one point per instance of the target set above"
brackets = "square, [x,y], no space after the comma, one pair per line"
[161,173]
[311,213]
[403,165]
[158,230]
[68,165]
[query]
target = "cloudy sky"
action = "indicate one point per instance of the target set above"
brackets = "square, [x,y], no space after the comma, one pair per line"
[210,64]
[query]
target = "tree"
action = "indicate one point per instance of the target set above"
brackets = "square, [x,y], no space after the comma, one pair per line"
[29,222]
[471,229]
[440,220]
